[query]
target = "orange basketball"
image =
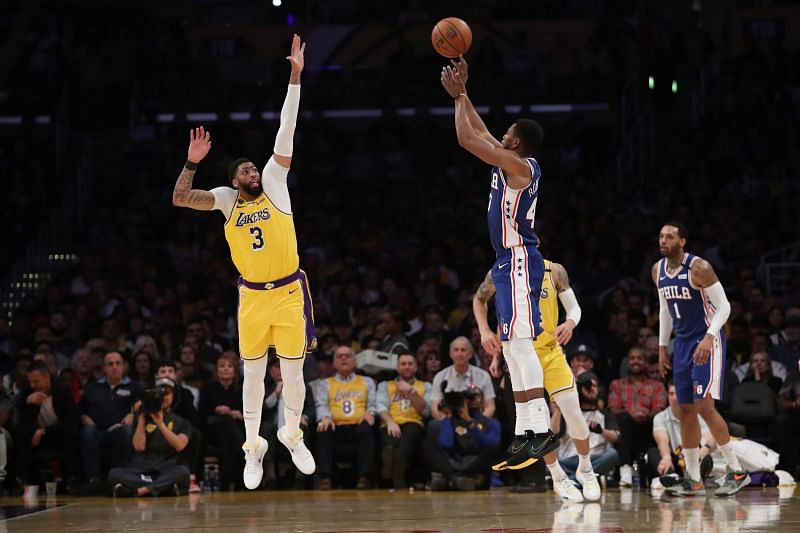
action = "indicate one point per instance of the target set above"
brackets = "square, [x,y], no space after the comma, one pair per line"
[451,37]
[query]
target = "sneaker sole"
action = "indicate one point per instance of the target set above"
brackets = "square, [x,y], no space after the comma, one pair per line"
[524,464]
[264,446]
[282,441]
[503,465]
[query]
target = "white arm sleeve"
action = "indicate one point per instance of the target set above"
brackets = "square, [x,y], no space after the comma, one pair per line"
[273,179]
[284,140]
[224,199]
[570,303]
[716,295]
[664,321]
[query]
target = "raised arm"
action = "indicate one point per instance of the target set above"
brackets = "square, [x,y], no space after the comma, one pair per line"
[474,118]
[517,171]
[183,195]
[284,140]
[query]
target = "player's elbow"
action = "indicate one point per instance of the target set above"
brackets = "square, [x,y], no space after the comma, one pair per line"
[178,200]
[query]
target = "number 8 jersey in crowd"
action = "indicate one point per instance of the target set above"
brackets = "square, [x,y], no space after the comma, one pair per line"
[519,267]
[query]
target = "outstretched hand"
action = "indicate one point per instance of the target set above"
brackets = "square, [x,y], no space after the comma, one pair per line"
[296,56]
[199,144]
[462,68]
[452,82]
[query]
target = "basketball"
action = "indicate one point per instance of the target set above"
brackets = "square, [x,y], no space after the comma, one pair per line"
[451,37]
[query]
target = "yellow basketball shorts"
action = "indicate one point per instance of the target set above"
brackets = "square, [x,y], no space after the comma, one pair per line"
[281,317]
[558,376]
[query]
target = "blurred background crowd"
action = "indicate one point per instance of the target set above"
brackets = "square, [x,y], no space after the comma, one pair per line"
[690,112]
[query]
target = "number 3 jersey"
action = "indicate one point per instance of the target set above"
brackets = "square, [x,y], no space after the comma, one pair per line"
[260,233]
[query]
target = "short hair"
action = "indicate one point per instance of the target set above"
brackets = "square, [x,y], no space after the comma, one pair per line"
[396,314]
[682,232]
[235,166]
[170,364]
[530,134]
[39,366]
[407,354]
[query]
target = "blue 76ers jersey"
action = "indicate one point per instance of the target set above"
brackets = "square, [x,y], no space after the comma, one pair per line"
[688,305]
[512,211]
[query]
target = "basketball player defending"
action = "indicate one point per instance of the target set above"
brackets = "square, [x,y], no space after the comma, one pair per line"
[518,270]
[559,380]
[274,299]
[692,300]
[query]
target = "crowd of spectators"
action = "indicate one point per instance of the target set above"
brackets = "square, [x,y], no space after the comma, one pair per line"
[390,225]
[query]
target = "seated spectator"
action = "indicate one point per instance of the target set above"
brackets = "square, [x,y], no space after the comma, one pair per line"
[467,443]
[393,341]
[183,406]
[345,406]
[635,400]
[402,405]
[48,422]
[17,378]
[159,437]
[221,410]
[433,327]
[179,380]
[582,359]
[460,376]
[81,372]
[6,412]
[278,463]
[604,431]
[787,424]
[142,369]
[667,455]
[432,366]
[761,369]
[193,372]
[106,414]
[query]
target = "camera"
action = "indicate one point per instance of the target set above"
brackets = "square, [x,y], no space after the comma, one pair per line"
[152,399]
[454,400]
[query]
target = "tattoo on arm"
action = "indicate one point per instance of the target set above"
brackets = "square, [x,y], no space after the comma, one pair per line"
[561,279]
[703,274]
[486,289]
[183,194]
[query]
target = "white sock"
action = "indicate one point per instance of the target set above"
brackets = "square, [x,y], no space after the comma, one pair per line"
[522,423]
[294,395]
[556,471]
[730,457]
[692,458]
[253,397]
[584,463]
[539,415]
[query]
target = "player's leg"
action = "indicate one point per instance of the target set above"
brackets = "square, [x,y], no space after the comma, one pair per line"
[692,484]
[521,415]
[293,336]
[711,375]
[578,429]
[254,341]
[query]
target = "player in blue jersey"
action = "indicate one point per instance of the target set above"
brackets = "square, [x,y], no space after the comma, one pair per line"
[693,302]
[518,270]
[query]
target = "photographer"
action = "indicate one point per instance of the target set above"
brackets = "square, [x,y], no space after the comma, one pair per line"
[604,431]
[158,438]
[467,443]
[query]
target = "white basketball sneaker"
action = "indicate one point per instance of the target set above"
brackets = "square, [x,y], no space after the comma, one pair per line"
[253,468]
[588,480]
[301,456]
[567,489]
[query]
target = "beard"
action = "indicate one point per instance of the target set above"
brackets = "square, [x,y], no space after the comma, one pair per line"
[252,190]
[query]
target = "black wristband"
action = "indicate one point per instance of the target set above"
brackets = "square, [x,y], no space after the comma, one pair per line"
[190,166]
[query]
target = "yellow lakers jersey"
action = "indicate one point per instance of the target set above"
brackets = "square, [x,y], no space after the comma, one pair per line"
[548,310]
[347,401]
[400,408]
[262,240]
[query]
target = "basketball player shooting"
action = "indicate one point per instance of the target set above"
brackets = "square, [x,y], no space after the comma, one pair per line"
[693,302]
[519,267]
[274,298]
[558,378]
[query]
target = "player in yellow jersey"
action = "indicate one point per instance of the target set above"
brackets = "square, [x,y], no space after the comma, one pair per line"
[274,299]
[559,382]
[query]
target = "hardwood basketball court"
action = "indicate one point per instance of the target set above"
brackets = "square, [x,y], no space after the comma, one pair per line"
[380,510]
